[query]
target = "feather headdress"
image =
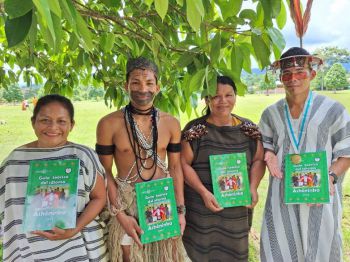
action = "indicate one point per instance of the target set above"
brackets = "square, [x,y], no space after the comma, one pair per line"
[301,21]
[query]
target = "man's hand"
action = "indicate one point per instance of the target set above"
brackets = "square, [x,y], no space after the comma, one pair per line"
[57,233]
[182,222]
[272,164]
[130,227]
[255,197]
[210,202]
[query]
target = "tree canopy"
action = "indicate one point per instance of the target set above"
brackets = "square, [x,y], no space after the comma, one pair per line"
[336,77]
[64,43]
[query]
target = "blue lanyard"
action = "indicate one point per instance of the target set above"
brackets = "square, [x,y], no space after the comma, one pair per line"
[297,142]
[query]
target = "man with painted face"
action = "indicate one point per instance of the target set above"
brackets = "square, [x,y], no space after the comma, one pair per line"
[303,122]
[138,138]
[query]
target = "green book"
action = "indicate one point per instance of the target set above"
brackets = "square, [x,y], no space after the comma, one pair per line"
[156,206]
[51,197]
[230,179]
[306,178]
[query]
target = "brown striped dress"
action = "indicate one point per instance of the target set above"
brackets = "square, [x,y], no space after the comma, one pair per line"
[221,236]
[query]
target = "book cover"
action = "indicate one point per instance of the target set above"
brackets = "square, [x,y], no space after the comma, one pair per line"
[51,194]
[156,206]
[230,179]
[306,178]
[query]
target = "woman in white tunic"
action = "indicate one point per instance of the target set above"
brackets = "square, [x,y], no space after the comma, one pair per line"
[303,122]
[52,120]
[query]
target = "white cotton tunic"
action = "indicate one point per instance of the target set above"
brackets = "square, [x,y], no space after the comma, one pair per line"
[87,245]
[300,233]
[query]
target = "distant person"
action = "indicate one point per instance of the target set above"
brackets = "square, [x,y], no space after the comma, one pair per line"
[52,121]
[214,233]
[34,101]
[303,122]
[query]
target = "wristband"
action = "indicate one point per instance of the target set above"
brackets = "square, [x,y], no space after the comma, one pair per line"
[181,209]
[335,177]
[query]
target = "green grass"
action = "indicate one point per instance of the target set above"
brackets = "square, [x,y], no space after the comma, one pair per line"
[18,131]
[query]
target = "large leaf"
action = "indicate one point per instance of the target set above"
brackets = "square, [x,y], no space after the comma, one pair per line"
[197,80]
[194,12]
[161,7]
[282,16]
[236,61]
[17,29]
[107,42]
[248,14]
[17,8]
[267,7]
[245,49]
[215,48]
[276,38]
[229,8]
[261,50]
[55,8]
[43,8]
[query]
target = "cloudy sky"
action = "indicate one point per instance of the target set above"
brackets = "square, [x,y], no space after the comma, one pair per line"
[329,26]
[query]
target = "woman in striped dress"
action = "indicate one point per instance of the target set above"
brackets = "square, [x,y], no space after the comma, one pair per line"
[213,233]
[53,119]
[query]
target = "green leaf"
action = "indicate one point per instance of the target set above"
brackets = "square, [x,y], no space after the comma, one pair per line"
[215,47]
[184,60]
[194,13]
[107,42]
[229,8]
[236,61]
[282,17]
[17,8]
[33,33]
[17,29]
[85,33]
[180,2]
[55,8]
[148,2]
[159,38]
[268,9]
[58,30]
[245,49]
[46,19]
[248,14]
[161,7]
[73,42]
[261,50]
[126,41]
[276,38]
[197,80]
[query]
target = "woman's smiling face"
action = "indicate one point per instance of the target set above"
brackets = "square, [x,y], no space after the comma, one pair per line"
[52,125]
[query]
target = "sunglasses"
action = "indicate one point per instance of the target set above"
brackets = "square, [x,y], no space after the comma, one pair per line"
[298,75]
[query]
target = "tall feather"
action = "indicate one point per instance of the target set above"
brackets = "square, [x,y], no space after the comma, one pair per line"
[301,22]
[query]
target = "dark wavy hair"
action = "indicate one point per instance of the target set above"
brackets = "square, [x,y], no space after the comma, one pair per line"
[54,98]
[224,80]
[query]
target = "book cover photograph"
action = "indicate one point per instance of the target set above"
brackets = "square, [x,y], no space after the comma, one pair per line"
[230,179]
[306,178]
[51,194]
[156,206]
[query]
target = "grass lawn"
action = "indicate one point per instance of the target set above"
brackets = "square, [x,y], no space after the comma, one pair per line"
[18,131]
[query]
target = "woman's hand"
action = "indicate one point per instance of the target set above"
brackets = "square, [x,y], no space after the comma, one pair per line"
[272,164]
[131,227]
[210,202]
[182,222]
[57,233]
[255,197]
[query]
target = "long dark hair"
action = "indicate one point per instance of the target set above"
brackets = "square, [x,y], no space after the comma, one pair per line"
[224,80]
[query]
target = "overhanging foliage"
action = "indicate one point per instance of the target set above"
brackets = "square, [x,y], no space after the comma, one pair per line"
[64,43]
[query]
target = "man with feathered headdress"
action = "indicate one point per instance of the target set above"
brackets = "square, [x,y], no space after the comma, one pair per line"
[303,122]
